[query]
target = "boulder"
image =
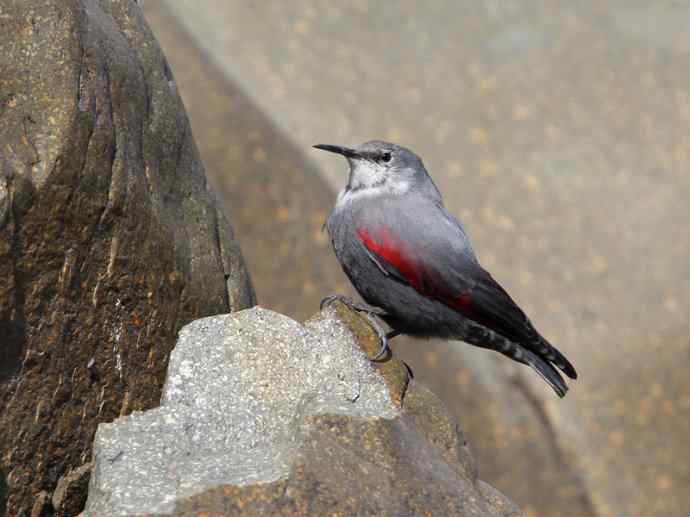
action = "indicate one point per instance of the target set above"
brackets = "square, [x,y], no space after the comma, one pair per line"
[261,415]
[110,239]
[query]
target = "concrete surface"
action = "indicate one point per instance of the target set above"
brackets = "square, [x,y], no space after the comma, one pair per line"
[558,132]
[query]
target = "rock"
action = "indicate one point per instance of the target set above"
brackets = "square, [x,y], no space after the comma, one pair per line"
[41,507]
[274,187]
[70,489]
[110,239]
[263,416]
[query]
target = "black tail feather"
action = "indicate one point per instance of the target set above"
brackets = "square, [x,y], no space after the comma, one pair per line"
[551,354]
[481,336]
[546,371]
[501,314]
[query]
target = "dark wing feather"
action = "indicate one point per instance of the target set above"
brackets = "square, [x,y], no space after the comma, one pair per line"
[492,303]
[437,261]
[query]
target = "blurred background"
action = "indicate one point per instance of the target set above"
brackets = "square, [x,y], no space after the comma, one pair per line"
[558,131]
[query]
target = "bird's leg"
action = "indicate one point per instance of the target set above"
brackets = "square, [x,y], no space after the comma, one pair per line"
[370,313]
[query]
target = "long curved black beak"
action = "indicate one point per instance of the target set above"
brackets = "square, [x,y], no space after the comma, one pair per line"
[345,151]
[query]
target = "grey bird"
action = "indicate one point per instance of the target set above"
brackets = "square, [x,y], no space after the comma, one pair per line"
[409,257]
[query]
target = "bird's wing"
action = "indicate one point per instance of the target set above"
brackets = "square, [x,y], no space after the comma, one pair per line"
[426,247]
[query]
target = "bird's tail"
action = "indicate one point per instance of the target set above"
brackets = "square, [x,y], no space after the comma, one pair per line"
[553,355]
[545,370]
[539,364]
[485,338]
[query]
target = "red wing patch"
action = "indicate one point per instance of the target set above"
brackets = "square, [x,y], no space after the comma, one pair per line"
[463,303]
[394,253]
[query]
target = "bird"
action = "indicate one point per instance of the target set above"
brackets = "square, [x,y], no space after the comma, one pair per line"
[413,264]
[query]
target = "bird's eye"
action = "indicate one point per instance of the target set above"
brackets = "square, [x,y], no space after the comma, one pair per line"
[386,157]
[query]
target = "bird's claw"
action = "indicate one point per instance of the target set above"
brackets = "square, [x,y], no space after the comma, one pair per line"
[370,313]
[331,298]
[383,337]
[359,307]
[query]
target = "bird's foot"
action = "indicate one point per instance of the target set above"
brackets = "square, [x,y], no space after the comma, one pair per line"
[370,313]
[359,307]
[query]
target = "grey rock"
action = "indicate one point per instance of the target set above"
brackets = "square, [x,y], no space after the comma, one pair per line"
[238,388]
[261,415]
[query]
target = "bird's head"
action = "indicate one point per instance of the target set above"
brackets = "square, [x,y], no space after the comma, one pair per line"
[378,166]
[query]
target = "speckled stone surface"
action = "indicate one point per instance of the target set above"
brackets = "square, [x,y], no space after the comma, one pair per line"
[261,415]
[558,132]
[237,386]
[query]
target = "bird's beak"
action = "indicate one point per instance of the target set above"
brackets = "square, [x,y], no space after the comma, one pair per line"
[345,151]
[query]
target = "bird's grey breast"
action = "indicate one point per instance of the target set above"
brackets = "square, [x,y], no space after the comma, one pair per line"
[339,225]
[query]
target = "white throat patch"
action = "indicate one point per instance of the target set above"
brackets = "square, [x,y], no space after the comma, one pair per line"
[371,179]
[395,188]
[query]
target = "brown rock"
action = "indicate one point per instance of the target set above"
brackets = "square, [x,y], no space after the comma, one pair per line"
[109,237]
[362,467]
[393,370]
[41,507]
[281,196]
[69,492]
